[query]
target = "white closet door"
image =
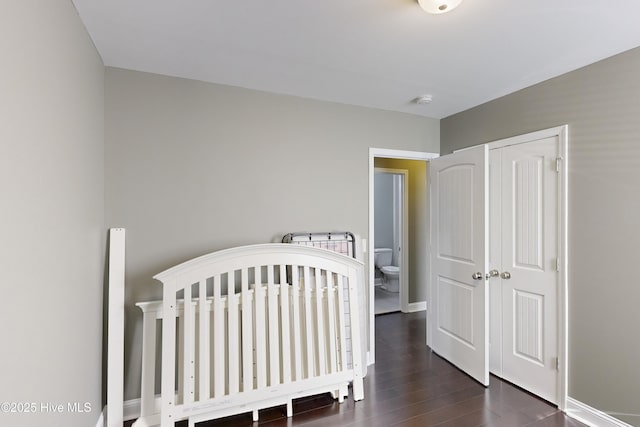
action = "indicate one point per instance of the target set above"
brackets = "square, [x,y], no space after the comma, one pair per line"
[529,278]
[457,320]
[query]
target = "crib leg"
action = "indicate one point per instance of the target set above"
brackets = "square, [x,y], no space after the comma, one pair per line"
[255,415]
[358,389]
[344,393]
[289,409]
[340,394]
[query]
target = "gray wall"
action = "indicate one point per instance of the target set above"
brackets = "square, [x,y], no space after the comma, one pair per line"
[51,212]
[193,167]
[418,222]
[601,105]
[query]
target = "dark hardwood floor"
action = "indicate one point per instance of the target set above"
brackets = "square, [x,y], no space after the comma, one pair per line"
[411,386]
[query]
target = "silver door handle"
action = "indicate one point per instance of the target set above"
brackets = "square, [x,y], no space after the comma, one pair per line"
[505,275]
[477,276]
[493,273]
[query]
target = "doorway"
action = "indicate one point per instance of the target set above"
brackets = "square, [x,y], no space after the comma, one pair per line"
[416,248]
[390,239]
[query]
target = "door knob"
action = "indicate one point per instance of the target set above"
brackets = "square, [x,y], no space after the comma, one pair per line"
[505,275]
[477,276]
[493,273]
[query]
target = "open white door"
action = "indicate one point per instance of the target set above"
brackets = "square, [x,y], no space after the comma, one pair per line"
[457,317]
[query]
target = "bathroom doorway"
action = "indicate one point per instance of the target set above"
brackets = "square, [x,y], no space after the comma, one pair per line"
[416,249]
[390,219]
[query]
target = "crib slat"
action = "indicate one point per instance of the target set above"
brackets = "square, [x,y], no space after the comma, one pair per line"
[189,347]
[168,352]
[232,332]
[296,322]
[203,342]
[331,322]
[261,345]
[274,327]
[347,318]
[320,322]
[342,339]
[356,355]
[284,322]
[180,354]
[218,338]
[247,333]
[147,391]
[308,323]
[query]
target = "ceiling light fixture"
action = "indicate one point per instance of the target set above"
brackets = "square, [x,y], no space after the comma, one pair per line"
[438,6]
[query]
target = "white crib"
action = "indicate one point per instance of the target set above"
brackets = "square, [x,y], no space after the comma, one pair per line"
[250,328]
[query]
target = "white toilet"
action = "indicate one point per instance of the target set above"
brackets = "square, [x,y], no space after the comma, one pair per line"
[382,259]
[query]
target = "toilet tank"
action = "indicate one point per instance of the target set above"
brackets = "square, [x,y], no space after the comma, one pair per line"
[382,256]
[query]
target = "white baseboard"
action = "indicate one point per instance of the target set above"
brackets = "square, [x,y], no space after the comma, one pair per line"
[100,422]
[131,409]
[591,416]
[417,306]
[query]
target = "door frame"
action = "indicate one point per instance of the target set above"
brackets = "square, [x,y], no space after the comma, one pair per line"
[562,133]
[369,246]
[404,234]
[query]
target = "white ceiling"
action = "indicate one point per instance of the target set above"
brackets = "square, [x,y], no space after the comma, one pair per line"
[374,53]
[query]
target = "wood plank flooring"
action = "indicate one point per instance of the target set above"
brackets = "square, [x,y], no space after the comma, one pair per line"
[411,386]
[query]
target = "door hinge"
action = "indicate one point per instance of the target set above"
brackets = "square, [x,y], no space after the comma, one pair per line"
[557,363]
[558,163]
[557,264]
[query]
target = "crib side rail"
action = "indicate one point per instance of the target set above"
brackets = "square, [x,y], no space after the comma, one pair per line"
[251,327]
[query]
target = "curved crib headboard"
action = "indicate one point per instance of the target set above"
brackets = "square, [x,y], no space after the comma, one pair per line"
[279,317]
[261,254]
